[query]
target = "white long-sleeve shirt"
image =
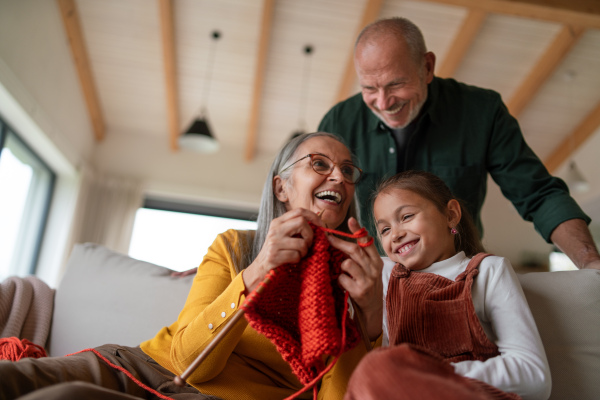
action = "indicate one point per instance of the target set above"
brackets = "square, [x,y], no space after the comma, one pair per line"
[505,316]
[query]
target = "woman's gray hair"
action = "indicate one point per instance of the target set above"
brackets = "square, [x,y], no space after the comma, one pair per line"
[271,207]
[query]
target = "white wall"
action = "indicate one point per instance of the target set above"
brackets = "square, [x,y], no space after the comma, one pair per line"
[506,234]
[38,71]
[41,99]
[222,178]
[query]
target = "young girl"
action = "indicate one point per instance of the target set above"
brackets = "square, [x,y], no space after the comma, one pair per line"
[458,322]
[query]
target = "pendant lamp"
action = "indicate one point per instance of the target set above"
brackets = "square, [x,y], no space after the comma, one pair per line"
[198,136]
[308,49]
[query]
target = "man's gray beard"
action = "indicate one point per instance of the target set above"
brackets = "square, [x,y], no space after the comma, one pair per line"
[417,112]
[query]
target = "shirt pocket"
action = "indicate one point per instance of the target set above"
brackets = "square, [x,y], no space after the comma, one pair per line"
[446,327]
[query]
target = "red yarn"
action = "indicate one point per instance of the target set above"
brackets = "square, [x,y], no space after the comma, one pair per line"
[300,308]
[13,349]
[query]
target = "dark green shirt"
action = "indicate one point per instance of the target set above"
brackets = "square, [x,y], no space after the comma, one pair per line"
[462,133]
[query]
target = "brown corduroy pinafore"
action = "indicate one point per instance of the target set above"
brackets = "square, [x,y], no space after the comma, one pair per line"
[438,314]
[431,322]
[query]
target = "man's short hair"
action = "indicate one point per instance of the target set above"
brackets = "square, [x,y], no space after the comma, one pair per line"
[398,27]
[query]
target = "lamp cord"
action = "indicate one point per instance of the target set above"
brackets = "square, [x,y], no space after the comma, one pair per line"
[215,35]
[303,94]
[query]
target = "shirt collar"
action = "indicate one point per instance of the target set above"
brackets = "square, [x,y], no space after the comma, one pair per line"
[449,268]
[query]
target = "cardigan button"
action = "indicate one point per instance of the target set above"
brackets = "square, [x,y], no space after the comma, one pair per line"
[223,314]
[210,326]
[392,150]
[232,305]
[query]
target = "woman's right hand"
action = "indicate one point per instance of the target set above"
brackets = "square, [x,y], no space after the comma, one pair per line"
[288,240]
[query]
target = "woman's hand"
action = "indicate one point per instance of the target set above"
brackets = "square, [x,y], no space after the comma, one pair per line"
[287,242]
[362,278]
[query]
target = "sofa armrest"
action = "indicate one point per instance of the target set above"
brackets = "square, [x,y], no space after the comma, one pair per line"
[566,309]
[107,297]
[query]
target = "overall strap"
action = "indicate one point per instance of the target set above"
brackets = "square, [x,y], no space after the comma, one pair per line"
[473,266]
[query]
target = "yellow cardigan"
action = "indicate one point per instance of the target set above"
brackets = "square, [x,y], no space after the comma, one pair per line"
[245,365]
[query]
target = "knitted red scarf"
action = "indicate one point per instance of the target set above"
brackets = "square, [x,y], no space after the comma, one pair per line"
[300,310]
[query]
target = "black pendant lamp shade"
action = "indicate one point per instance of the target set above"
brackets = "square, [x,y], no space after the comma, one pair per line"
[198,137]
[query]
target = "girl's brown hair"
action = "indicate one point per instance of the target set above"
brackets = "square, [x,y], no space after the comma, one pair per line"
[432,188]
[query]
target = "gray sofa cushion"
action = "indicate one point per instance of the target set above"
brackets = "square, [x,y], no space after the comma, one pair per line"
[566,309]
[107,297]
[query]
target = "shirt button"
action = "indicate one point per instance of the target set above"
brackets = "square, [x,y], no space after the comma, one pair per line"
[223,314]
[210,326]
[232,305]
[392,150]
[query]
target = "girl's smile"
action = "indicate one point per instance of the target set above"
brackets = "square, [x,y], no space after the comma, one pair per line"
[412,230]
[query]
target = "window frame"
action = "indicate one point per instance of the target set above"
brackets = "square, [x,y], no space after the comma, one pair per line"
[156,203]
[5,131]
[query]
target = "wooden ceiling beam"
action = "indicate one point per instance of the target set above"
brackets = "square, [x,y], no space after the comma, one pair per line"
[70,18]
[370,13]
[263,50]
[169,59]
[555,53]
[584,13]
[462,42]
[574,140]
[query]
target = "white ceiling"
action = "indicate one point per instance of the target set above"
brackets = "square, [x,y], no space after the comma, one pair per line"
[124,45]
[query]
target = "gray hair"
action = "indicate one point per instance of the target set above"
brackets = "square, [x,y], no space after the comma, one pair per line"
[398,27]
[271,207]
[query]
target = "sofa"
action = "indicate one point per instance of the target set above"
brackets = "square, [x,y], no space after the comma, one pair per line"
[106,297]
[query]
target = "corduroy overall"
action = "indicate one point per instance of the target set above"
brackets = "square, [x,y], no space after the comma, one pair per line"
[431,322]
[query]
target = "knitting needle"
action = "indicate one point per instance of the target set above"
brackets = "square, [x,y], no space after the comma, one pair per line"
[180,379]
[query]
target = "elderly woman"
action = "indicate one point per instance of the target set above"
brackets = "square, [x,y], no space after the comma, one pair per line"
[311,181]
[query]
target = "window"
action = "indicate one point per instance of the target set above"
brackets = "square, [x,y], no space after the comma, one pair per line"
[560,262]
[26,185]
[177,235]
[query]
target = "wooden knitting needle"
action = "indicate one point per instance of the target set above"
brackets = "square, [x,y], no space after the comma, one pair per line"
[180,379]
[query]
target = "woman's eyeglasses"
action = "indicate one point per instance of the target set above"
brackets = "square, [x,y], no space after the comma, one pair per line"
[324,165]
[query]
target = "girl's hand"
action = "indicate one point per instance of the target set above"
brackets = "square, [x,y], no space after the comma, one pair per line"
[287,242]
[362,278]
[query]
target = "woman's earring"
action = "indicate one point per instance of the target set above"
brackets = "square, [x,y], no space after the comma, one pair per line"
[453,231]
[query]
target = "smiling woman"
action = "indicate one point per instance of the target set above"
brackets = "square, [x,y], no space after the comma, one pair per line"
[321,183]
[296,202]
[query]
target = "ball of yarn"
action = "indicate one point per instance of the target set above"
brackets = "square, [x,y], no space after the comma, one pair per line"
[14,349]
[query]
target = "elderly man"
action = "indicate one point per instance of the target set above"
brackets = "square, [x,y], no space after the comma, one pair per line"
[406,118]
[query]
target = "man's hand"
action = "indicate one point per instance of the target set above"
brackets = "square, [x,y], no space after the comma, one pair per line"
[574,239]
